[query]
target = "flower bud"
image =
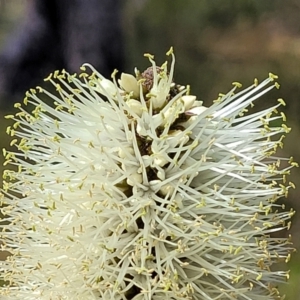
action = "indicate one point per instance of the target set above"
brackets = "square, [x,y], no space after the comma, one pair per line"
[129,83]
[135,106]
[188,101]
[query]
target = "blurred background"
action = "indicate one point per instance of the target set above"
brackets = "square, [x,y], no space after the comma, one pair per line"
[216,43]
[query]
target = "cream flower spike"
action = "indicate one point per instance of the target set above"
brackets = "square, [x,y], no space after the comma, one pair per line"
[132,189]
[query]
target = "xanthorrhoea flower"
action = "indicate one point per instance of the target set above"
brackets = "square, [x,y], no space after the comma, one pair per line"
[137,191]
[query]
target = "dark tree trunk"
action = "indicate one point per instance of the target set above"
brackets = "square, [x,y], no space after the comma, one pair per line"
[60,34]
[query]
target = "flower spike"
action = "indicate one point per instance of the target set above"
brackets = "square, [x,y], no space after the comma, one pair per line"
[132,189]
